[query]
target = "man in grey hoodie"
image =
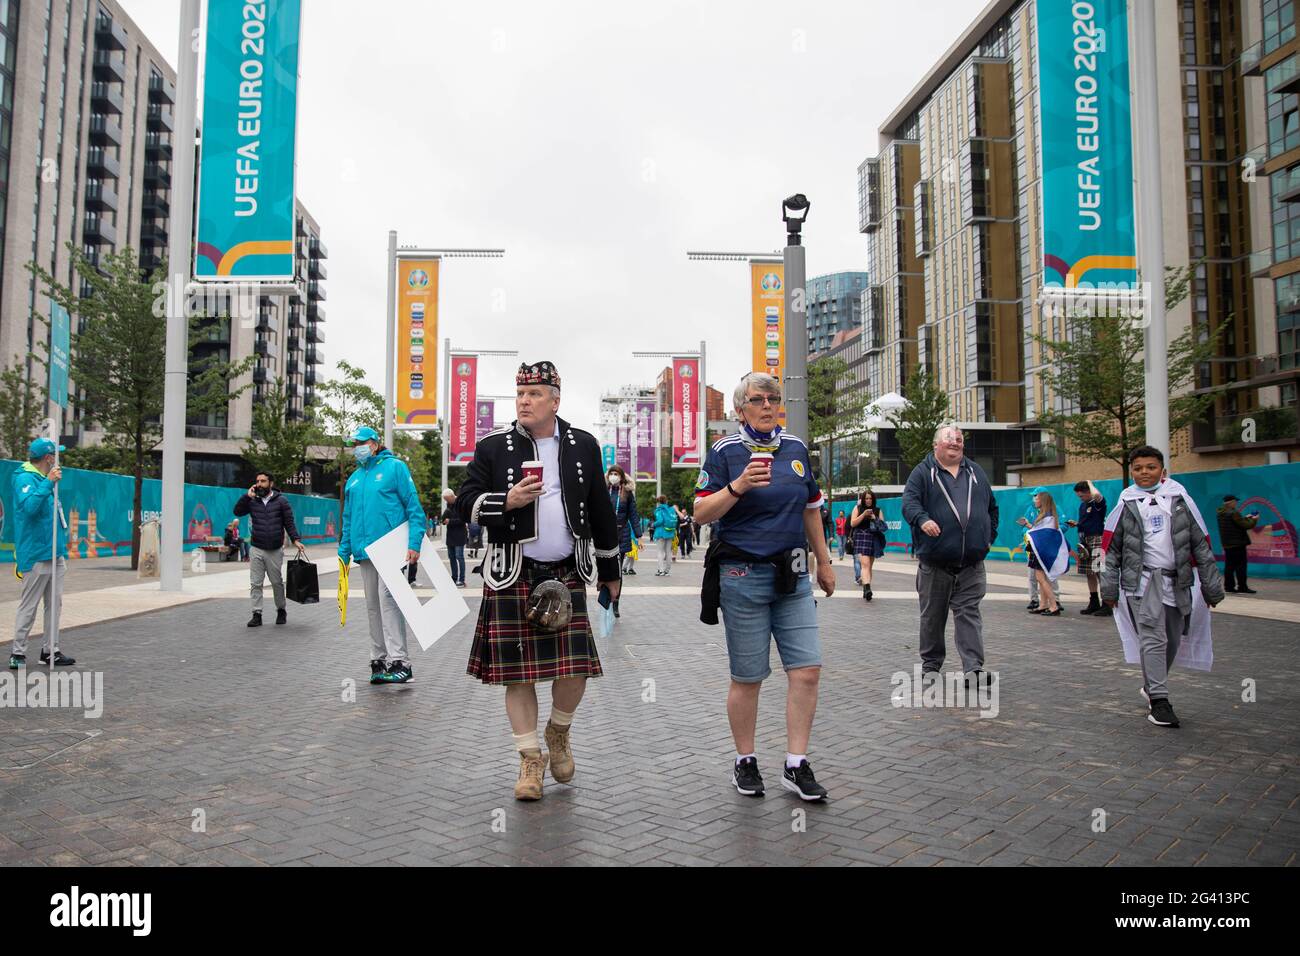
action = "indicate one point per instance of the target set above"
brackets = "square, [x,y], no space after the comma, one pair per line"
[949,505]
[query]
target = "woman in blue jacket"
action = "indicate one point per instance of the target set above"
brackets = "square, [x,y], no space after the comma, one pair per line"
[664,530]
[379,495]
[622,496]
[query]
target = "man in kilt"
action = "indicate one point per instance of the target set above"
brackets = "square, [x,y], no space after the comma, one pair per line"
[1091,558]
[560,527]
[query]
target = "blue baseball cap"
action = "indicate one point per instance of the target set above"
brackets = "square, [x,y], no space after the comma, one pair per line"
[41,447]
[364,434]
[1038,491]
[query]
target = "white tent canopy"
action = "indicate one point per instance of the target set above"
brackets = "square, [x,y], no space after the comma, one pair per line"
[877,410]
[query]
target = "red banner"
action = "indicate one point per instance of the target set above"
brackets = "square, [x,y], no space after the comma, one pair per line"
[464,408]
[686,412]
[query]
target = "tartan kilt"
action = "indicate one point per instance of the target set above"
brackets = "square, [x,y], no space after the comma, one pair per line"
[1089,556]
[509,650]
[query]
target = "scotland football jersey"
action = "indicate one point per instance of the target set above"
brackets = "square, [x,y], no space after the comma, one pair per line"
[763,521]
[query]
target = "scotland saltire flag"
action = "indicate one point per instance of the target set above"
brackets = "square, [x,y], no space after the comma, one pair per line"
[1050,549]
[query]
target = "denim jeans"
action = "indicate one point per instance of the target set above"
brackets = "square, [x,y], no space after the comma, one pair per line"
[456,554]
[755,615]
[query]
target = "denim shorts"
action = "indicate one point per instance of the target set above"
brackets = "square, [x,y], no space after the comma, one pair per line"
[754,614]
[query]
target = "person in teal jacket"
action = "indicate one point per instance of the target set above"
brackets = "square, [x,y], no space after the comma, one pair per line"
[665,528]
[33,503]
[379,495]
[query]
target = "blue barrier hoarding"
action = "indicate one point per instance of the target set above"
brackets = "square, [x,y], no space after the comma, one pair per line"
[247,155]
[98,508]
[1084,110]
[1271,491]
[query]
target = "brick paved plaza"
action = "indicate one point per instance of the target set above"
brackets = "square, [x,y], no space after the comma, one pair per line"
[251,728]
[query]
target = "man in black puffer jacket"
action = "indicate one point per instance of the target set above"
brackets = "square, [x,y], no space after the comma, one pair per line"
[271,519]
[949,505]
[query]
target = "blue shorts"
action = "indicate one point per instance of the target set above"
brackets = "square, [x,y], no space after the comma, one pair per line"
[754,614]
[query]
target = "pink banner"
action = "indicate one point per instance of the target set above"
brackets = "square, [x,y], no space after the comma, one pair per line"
[464,385]
[647,462]
[686,412]
[486,419]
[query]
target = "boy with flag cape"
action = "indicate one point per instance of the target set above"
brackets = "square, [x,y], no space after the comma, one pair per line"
[1161,574]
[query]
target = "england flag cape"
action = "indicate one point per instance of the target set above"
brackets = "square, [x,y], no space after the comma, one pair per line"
[1196,651]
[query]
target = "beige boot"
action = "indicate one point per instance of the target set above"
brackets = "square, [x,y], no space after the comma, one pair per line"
[532,765]
[561,757]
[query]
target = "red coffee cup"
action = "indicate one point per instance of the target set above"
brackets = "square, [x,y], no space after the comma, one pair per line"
[765,457]
[533,469]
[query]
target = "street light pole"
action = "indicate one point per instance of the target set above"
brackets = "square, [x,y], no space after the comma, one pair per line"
[390,349]
[1151,244]
[794,211]
[179,256]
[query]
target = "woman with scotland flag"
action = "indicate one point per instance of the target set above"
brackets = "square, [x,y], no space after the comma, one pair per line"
[758,485]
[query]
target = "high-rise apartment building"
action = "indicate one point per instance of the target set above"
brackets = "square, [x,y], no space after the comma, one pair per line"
[834,304]
[952,207]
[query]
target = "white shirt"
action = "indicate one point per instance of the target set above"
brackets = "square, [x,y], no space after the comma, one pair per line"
[554,539]
[1158,543]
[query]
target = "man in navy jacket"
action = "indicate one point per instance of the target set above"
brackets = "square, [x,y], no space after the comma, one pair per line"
[271,518]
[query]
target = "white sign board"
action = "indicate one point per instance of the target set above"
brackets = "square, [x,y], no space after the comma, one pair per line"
[434,618]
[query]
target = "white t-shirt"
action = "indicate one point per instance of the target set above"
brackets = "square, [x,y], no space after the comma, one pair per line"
[554,539]
[1158,543]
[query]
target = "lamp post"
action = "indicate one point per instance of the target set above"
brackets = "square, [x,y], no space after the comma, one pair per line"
[794,211]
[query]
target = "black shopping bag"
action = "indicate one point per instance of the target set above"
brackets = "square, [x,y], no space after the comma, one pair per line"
[300,583]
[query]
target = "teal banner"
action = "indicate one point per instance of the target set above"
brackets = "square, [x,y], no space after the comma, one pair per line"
[1271,491]
[1089,241]
[60,334]
[99,513]
[247,152]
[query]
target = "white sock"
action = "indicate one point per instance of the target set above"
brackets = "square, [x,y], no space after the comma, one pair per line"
[526,741]
[793,760]
[740,757]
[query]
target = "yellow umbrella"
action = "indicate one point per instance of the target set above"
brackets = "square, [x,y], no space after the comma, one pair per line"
[343,592]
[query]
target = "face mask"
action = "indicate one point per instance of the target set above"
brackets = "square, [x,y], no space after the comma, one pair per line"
[361,453]
[615,480]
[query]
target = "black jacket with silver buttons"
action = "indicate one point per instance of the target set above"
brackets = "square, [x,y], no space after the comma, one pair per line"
[498,464]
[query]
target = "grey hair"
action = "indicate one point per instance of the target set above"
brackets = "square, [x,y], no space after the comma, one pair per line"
[764,383]
[946,426]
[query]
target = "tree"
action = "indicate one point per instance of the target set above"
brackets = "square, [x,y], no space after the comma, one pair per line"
[22,409]
[97,458]
[277,444]
[119,354]
[346,404]
[1099,369]
[916,422]
[835,415]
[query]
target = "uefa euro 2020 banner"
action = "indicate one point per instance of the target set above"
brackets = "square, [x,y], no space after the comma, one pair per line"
[99,511]
[686,413]
[1087,145]
[246,169]
[647,461]
[463,427]
[417,341]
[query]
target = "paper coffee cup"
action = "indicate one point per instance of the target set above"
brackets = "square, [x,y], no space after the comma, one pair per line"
[764,457]
[533,469]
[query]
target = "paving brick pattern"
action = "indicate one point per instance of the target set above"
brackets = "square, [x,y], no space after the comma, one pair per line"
[251,727]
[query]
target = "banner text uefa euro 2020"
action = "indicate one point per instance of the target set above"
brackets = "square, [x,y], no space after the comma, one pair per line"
[246,160]
[462,428]
[417,341]
[1087,144]
[686,412]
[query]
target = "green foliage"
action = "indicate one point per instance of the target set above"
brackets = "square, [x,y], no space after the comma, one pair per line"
[344,405]
[915,423]
[23,405]
[106,458]
[835,415]
[278,445]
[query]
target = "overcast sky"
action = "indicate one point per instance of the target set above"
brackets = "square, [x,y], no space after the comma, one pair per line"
[595,143]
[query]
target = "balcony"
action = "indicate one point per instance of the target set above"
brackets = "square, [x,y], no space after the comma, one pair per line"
[291,390]
[100,163]
[161,90]
[266,322]
[259,376]
[1264,427]
[295,319]
[315,290]
[109,68]
[315,312]
[1283,78]
[100,196]
[109,35]
[104,131]
[869,196]
[154,232]
[921,226]
[316,269]
[261,346]
[315,356]
[1250,60]
[150,260]
[293,367]
[158,145]
[1261,261]
[156,205]
[293,344]
[1286,185]
[309,393]
[315,334]
[105,99]
[97,231]
[160,118]
[157,175]
[309,378]
[317,248]
[205,431]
